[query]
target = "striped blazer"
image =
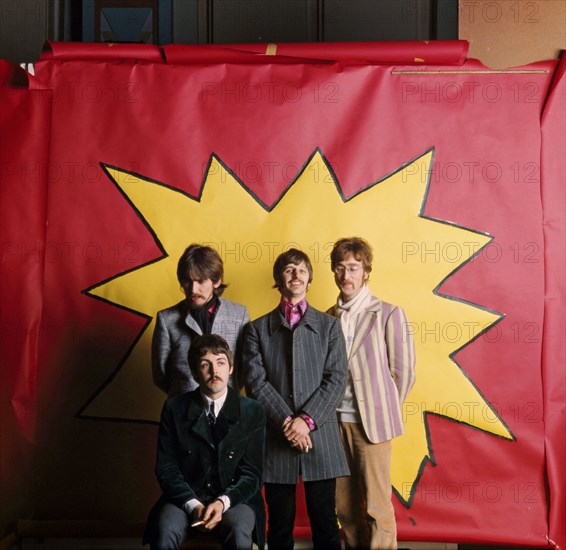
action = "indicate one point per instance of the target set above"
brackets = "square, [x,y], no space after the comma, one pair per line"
[382,367]
[294,371]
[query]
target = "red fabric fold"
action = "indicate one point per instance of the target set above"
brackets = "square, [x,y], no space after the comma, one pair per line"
[25,123]
[439,52]
[553,197]
[100,51]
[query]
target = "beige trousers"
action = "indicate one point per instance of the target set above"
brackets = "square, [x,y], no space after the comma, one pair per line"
[363,499]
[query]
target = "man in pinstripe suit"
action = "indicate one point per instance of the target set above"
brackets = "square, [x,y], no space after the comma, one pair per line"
[295,365]
[381,361]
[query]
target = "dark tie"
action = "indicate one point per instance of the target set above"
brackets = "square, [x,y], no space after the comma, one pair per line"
[211,416]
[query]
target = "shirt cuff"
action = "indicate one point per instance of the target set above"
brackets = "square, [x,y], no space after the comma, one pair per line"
[193,503]
[190,505]
[308,420]
[225,500]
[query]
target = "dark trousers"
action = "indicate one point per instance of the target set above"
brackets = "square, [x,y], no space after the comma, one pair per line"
[169,525]
[321,508]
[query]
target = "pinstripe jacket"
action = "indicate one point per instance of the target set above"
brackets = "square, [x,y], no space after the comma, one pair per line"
[382,367]
[293,371]
[174,329]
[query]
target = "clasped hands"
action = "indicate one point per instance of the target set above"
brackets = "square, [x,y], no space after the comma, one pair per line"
[206,518]
[296,431]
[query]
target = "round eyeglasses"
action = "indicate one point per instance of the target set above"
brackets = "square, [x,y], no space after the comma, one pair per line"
[350,269]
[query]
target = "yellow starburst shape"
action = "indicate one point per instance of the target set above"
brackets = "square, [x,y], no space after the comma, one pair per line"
[311,215]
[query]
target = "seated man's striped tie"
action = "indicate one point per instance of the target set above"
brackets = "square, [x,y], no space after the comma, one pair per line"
[211,415]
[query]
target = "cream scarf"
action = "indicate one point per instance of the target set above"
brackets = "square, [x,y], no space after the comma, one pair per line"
[348,314]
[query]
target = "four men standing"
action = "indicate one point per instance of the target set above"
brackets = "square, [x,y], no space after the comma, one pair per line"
[308,370]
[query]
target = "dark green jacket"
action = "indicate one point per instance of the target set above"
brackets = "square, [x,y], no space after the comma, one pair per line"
[185,452]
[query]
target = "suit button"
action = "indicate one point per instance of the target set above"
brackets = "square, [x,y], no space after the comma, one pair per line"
[290,396]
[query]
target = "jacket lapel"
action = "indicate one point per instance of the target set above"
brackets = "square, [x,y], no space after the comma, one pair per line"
[310,319]
[365,324]
[229,415]
[220,316]
[276,321]
[190,321]
[198,420]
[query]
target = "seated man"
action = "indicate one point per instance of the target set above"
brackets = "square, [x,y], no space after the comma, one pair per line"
[209,458]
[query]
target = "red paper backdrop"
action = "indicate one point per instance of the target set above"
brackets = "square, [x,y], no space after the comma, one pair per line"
[165,121]
[25,124]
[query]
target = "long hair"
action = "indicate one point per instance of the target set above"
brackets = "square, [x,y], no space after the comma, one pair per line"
[200,262]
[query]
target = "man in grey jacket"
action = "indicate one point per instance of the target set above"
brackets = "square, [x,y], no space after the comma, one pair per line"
[200,272]
[294,362]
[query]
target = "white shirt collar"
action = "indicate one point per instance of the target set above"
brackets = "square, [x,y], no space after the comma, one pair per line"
[218,402]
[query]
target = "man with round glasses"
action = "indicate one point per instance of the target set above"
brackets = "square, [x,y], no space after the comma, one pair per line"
[381,362]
